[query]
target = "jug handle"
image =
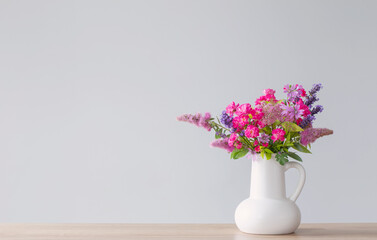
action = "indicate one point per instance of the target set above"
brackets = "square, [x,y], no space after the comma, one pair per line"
[301,180]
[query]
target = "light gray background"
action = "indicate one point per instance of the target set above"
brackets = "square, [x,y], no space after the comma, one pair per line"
[89,92]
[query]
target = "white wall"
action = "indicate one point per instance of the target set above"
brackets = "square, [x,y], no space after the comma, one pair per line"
[89,92]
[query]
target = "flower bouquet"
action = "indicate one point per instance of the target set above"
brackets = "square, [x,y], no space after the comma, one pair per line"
[269,130]
[273,126]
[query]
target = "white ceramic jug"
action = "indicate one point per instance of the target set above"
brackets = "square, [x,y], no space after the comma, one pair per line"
[268,210]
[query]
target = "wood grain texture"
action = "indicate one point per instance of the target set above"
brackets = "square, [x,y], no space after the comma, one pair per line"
[18,231]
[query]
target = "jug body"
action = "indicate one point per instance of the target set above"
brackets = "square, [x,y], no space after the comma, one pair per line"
[268,210]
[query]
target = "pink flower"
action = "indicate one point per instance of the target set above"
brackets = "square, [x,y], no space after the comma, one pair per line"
[269,91]
[268,97]
[265,144]
[259,101]
[233,137]
[261,124]
[231,108]
[303,92]
[244,109]
[278,134]
[238,144]
[272,112]
[222,143]
[257,113]
[251,131]
[197,119]
[203,121]
[303,107]
[309,135]
[257,148]
[240,121]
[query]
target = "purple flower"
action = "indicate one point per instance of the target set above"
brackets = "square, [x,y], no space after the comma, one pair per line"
[310,100]
[309,135]
[264,138]
[316,87]
[222,143]
[226,120]
[197,119]
[242,133]
[317,109]
[291,112]
[312,95]
[292,92]
[307,121]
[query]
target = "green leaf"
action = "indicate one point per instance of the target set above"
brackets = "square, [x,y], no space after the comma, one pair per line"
[267,130]
[277,122]
[294,156]
[217,136]
[288,138]
[267,150]
[268,155]
[238,153]
[291,127]
[300,148]
[282,158]
[262,153]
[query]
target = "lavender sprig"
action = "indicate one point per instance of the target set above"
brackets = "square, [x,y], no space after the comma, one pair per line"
[312,95]
[307,121]
[316,109]
[315,89]
[226,120]
[310,100]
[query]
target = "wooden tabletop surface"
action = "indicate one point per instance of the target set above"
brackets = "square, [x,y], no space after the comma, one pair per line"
[18,231]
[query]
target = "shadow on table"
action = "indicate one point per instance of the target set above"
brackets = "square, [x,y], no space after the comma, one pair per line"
[316,233]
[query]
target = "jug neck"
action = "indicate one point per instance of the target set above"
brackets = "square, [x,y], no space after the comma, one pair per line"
[267,178]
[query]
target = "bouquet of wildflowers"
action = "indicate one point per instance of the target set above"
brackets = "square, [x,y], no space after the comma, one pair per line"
[273,126]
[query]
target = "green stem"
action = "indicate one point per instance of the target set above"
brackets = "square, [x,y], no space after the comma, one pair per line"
[220,126]
[248,142]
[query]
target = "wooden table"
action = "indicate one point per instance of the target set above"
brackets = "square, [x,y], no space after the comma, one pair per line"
[13,231]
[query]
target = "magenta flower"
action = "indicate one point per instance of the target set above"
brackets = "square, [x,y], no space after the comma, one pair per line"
[278,134]
[238,144]
[268,97]
[251,131]
[244,109]
[231,108]
[223,144]
[257,113]
[197,119]
[309,135]
[240,121]
[233,137]
[269,91]
[306,112]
